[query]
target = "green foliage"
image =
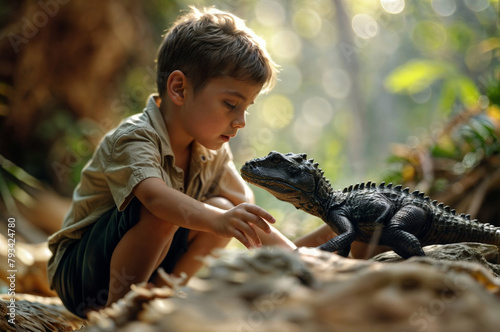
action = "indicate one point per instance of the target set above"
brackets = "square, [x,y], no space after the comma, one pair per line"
[417,75]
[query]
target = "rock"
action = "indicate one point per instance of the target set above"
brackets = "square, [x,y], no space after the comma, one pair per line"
[36,313]
[487,255]
[271,290]
[478,260]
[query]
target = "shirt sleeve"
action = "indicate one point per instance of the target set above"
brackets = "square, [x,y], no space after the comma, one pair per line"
[231,185]
[134,157]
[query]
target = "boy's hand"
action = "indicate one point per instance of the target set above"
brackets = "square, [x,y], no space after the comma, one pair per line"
[239,222]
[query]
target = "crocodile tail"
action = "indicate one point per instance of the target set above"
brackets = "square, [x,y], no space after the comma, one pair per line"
[451,228]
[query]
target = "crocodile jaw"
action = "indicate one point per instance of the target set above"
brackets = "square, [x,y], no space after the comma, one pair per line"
[280,189]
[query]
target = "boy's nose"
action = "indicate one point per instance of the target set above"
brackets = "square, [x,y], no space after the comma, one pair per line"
[240,121]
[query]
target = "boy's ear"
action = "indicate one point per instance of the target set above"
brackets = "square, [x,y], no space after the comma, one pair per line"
[176,86]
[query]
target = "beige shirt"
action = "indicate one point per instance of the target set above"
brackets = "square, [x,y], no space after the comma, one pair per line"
[137,149]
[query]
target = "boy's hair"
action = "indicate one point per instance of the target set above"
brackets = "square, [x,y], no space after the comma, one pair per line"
[210,43]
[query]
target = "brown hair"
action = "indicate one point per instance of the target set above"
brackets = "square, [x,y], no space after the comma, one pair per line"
[209,43]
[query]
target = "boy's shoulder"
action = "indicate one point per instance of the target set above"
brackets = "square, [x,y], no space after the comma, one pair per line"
[149,122]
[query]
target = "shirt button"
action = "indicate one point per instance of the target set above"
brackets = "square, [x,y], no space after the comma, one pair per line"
[181,188]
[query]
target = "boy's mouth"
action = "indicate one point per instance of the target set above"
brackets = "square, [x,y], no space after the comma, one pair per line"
[226,138]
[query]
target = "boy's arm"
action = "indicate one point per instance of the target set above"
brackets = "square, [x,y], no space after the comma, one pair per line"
[177,208]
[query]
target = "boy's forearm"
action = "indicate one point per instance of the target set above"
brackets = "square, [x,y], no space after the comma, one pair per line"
[176,207]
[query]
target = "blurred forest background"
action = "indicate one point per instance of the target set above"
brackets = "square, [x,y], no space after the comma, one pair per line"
[402,91]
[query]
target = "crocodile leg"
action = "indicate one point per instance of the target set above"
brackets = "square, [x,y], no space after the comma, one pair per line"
[398,234]
[342,242]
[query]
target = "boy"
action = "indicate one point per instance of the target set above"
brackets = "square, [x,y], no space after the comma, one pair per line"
[161,189]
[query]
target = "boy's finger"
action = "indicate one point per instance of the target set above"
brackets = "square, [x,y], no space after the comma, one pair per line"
[250,233]
[257,210]
[258,222]
[241,237]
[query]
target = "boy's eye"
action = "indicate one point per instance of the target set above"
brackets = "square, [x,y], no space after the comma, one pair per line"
[231,106]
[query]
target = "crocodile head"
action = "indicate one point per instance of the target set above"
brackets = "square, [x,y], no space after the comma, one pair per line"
[291,178]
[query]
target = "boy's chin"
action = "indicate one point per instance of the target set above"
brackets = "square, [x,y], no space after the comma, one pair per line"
[213,146]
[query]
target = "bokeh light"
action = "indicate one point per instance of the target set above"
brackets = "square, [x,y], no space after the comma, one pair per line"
[337,83]
[422,96]
[277,111]
[444,7]
[270,13]
[393,6]
[364,26]
[306,135]
[317,111]
[286,45]
[477,5]
[307,23]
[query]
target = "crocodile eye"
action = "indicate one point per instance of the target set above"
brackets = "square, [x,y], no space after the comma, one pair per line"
[276,159]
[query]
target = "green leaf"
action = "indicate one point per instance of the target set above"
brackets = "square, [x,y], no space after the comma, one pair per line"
[448,96]
[19,173]
[416,75]
[467,91]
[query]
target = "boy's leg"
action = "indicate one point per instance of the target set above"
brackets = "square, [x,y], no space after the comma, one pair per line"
[201,244]
[316,238]
[139,253]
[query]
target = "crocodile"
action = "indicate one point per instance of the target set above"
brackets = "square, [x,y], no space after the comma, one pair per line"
[395,217]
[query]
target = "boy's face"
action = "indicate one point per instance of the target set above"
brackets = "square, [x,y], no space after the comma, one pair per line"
[218,110]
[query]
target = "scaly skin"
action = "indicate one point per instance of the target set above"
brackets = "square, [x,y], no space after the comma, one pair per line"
[399,219]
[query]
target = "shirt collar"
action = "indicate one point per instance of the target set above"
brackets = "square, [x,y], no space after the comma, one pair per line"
[158,123]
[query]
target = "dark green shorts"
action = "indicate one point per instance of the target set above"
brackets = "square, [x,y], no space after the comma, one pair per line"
[82,278]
